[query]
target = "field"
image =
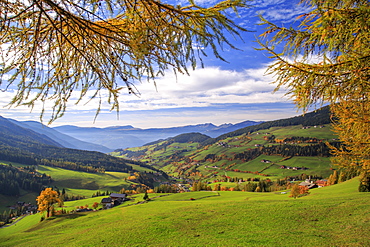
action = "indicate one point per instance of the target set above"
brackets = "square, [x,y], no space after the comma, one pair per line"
[332,216]
[214,158]
[316,166]
[74,183]
[83,183]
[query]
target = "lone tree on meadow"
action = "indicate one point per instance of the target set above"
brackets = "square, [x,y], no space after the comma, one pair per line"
[46,201]
[326,60]
[51,49]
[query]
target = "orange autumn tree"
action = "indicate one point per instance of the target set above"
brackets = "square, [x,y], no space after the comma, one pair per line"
[298,190]
[46,200]
[294,192]
[95,205]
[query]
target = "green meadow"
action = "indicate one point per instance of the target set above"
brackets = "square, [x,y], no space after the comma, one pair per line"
[331,216]
[84,183]
[74,183]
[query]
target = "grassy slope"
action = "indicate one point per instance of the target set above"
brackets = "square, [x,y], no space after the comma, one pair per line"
[74,182]
[317,165]
[83,183]
[26,196]
[331,216]
[6,201]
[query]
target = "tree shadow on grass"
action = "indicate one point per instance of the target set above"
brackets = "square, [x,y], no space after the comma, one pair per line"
[67,216]
[55,219]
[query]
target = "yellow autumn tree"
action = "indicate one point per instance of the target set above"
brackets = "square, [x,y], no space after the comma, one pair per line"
[46,200]
[326,60]
[50,49]
[295,191]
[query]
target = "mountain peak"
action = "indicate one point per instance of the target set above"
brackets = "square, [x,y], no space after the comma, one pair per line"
[125,127]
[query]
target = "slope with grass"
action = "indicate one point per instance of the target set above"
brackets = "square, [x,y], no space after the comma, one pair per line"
[75,183]
[240,156]
[84,183]
[331,216]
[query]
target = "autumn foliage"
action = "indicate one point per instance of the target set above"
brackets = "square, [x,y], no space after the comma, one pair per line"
[326,60]
[298,191]
[95,205]
[84,47]
[46,201]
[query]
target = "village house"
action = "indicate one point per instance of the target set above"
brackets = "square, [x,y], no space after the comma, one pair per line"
[296,168]
[118,197]
[266,161]
[321,183]
[308,184]
[107,202]
[223,144]
[114,199]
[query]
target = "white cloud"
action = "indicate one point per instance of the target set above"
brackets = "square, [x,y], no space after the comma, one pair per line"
[204,87]
[265,3]
[284,14]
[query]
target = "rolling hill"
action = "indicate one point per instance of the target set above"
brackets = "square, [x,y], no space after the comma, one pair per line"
[255,151]
[30,160]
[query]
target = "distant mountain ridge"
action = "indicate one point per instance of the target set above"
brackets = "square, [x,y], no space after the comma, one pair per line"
[28,147]
[60,138]
[117,137]
[11,133]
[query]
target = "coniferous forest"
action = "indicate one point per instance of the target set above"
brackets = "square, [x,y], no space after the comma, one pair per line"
[13,179]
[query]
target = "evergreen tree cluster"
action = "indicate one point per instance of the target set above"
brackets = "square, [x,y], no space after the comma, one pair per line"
[249,154]
[72,159]
[132,154]
[96,160]
[17,155]
[190,137]
[319,117]
[199,185]
[287,150]
[12,179]
[72,166]
[165,188]
[64,196]
[101,193]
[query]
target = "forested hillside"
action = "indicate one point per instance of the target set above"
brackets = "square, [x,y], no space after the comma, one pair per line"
[65,140]
[315,118]
[281,149]
[16,136]
[30,148]
[14,178]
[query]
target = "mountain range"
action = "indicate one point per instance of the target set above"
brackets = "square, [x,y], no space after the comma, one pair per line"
[111,138]
[31,143]
[118,137]
[61,139]
[35,144]
[108,139]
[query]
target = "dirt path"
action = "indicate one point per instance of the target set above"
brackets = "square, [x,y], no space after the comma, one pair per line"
[14,222]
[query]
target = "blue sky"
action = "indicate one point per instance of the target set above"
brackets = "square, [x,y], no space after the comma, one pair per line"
[219,93]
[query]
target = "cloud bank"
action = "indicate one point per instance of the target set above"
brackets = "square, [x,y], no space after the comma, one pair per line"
[211,94]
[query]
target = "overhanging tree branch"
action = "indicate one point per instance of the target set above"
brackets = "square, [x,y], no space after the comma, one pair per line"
[52,49]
